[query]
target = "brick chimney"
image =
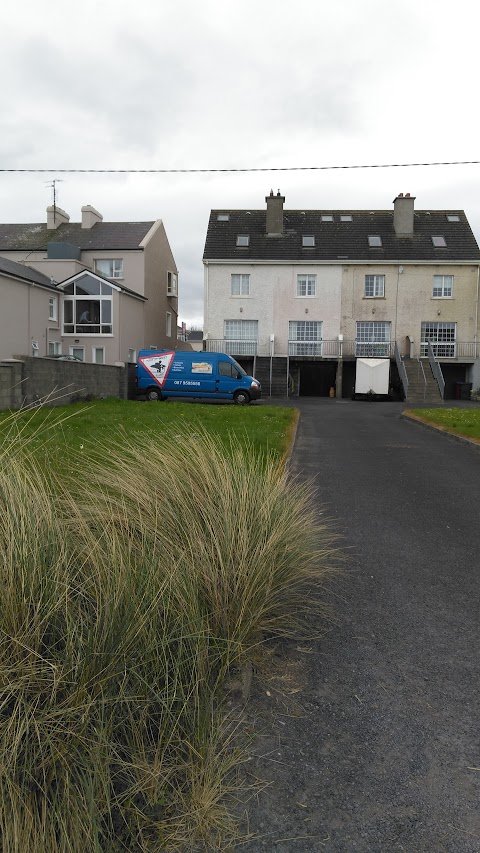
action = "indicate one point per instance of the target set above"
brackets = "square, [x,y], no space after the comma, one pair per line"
[403,209]
[274,214]
[55,217]
[90,216]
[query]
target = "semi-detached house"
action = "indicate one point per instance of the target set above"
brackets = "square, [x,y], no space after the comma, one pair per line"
[299,295]
[116,286]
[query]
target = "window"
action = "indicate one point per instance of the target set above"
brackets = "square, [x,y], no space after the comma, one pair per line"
[110,268]
[308,241]
[305,337]
[243,240]
[53,308]
[241,337]
[168,325]
[132,355]
[453,217]
[372,339]
[87,307]
[223,217]
[54,348]
[240,285]
[442,338]
[438,241]
[226,368]
[327,217]
[171,284]
[306,285]
[374,241]
[78,352]
[374,286]
[442,286]
[346,217]
[98,355]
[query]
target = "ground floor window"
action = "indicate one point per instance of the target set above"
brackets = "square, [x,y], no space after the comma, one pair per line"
[372,339]
[241,337]
[132,355]
[78,352]
[54,348]
[98,355]
[305,337]
[442,337]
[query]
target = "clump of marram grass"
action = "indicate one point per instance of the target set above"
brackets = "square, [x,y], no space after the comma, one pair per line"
[125,599]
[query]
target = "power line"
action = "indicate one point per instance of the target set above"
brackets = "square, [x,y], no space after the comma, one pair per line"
[255,169]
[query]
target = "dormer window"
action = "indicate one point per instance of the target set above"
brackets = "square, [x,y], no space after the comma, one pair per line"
[327,217]
[374,241]
[308,241]
[223,217]
[243,240]
[453,217]
[439,242]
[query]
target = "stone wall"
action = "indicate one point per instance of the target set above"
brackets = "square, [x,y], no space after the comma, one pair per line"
[25,381]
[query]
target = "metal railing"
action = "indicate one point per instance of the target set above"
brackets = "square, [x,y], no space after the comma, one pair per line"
[450,349]
[436,370]
[232,347]
[401,370]
[420,366]
[310,348]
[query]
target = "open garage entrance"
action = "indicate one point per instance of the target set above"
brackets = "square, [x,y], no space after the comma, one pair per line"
[316,379]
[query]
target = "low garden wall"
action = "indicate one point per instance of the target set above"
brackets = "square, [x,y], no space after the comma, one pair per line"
[25,381]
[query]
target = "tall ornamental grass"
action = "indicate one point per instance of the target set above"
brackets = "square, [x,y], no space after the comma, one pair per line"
[126,596]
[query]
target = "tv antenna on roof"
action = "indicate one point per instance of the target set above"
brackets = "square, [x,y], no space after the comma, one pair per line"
[54,194]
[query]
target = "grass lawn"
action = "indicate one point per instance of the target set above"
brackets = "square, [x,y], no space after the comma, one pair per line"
[459,421]
[58,434]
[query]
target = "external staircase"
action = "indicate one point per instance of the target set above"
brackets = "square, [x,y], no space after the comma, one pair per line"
[422,385]
[272,373]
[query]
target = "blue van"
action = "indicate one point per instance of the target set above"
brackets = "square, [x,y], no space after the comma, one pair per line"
[207,375]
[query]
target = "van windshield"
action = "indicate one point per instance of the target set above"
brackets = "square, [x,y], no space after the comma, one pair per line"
[239,367]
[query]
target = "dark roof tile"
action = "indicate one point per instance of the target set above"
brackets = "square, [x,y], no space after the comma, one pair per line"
[24,272]
[103,236]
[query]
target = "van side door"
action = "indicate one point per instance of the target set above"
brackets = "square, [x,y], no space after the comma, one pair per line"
[229,378]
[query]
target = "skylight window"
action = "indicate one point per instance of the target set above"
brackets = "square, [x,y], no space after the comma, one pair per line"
[223,217]
[327,217]
[453,217]
[438,241]
[243,240]
[374,241]
[346,217]
[308,241]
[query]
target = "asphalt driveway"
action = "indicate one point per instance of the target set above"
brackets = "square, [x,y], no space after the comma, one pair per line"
[370,737]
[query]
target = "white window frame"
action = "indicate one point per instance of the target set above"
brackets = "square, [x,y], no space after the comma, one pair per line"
[81,349]
[117,267]
[172,284]
[240,336]
[372,338]
[442,289]
[53,308]
[94,356]
[54,348]
[377,284]
[239,282]
[168,324]
[305,337]
[73,298]
[306,282]
[243,240]
[442,336]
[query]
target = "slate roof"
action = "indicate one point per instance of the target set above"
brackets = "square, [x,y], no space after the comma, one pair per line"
[103,236]
[336,241]
[24,272]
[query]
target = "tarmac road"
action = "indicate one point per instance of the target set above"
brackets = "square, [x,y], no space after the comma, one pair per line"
[369,736]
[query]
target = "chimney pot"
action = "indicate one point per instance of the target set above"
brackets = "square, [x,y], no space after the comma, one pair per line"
[400,195]
[407,195]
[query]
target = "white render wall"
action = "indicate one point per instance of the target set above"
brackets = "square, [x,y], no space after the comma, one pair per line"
[272,301]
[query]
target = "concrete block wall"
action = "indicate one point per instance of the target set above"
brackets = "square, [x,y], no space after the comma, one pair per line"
[29,380]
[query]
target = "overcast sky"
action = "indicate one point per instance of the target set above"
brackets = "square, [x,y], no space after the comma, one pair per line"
[134,84]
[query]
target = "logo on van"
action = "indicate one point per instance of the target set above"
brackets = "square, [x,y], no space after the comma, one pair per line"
[157,365]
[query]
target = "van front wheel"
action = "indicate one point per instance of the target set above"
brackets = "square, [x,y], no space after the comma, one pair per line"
[241,398]
[153,394]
